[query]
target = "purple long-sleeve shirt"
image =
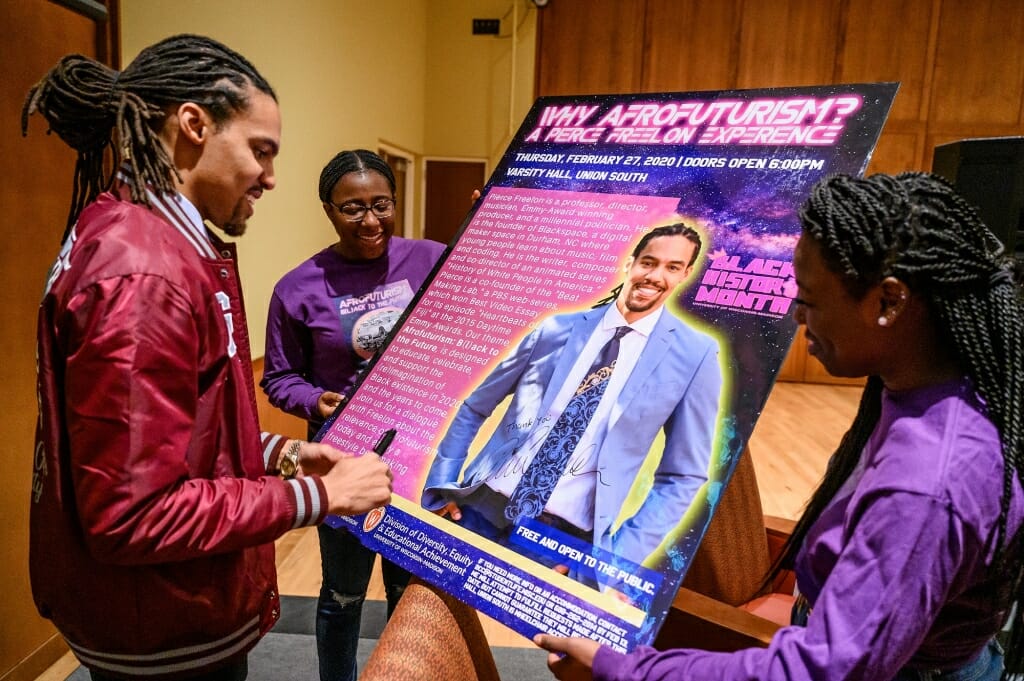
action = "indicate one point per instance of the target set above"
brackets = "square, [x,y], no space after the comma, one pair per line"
[898,568]
[329,315]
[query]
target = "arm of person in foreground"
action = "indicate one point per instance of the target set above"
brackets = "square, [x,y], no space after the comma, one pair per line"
[135,430]
[906,552]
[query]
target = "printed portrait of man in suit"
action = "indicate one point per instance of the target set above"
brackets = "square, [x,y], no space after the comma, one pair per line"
[590,392]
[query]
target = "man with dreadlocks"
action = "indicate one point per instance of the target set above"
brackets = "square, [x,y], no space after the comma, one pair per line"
[155,498]
[908,555]
[578,429]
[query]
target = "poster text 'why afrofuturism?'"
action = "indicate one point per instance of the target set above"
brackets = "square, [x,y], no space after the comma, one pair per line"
[797,121]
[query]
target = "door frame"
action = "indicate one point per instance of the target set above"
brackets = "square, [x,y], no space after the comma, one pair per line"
[409,209]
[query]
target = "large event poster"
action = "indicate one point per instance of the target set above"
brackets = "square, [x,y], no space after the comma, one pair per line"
[578,510]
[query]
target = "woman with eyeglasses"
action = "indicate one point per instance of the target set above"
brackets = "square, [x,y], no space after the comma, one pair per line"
[327,318]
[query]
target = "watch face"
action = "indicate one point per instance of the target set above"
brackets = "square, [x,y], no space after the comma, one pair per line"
[289,463]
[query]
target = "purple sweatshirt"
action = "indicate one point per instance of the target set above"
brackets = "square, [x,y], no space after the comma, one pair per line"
[329,315]
[897,568]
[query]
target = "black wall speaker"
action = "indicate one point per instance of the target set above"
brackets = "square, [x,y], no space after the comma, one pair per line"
[989,172]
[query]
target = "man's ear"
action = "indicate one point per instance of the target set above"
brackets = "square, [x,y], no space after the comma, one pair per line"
[193,122]
[893,295]
[629,263]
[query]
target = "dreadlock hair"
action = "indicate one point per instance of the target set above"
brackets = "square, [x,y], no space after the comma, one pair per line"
[352,161]
[916,228]
[92,108]
[676,229]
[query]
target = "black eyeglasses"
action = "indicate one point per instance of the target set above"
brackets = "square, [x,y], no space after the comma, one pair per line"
[355,212]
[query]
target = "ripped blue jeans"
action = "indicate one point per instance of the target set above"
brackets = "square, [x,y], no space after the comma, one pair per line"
[346,566]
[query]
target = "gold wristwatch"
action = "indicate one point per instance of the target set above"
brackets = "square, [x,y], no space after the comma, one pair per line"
[290,460]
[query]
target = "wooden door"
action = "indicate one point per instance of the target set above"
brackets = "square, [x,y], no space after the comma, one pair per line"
[449,188]
[589,47]
[35,195]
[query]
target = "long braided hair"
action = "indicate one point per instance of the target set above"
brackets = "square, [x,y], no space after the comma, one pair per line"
[354,161]
[94,108]
[916,228]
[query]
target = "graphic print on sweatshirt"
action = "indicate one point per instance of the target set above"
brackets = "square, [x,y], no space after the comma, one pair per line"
[367,318]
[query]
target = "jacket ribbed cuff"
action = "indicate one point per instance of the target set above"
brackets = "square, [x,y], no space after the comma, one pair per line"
[310,500]
[272,446]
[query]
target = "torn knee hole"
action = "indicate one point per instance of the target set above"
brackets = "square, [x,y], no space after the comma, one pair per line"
[347,600]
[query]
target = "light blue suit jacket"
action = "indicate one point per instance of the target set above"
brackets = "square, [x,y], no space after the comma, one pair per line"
[675,385]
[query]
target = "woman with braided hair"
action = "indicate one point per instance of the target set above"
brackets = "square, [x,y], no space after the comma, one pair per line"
[155,497]
[908,555]
[327,318]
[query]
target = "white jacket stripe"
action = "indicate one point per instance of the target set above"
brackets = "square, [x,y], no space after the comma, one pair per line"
[189,657]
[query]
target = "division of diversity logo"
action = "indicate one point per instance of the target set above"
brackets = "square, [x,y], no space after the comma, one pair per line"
[373,518]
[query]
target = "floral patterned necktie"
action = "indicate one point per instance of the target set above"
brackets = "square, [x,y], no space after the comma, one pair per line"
[534,489]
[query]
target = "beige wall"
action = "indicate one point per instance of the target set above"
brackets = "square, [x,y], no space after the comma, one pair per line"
[473,78]
[351,74]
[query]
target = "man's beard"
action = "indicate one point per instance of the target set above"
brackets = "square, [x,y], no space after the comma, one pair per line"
[645,306]
[235,228]
[637,307]
[236,224]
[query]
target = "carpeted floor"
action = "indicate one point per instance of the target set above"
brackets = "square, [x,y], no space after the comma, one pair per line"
[288,652]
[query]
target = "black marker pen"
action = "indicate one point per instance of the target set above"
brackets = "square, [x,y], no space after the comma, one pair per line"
[385,441]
